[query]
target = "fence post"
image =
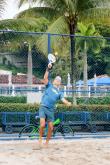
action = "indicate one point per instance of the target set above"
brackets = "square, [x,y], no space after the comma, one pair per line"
[29,74]
[72,57]
[89,91]
[49,43]
[65,93]
[49,48]
[13,90]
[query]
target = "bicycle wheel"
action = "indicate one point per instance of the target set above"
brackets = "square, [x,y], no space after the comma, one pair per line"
[63,131]
[30,131]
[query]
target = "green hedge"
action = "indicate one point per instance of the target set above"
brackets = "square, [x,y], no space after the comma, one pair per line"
[11,99]
[99,100]
[18,107]
[90,101]
[21,107]
[22,99]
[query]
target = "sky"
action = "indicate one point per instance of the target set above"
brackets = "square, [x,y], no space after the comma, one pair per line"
[11,9]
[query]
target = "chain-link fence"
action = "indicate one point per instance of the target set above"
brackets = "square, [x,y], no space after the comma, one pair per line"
[82,62]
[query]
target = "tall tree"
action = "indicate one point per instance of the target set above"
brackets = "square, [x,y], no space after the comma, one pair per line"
[69,12]
[84,44]
[16,39]
[72,11]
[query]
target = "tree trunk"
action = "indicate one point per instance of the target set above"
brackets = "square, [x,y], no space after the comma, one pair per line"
[72,27]
[29,75]
[85,75]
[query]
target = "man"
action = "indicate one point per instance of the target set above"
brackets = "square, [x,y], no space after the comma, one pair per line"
[51,96]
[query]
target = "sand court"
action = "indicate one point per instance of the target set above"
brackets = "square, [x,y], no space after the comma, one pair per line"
[59,152]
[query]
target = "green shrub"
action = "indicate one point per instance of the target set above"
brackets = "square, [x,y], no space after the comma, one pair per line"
[18,107]
[99,100]
[11,99]
[21,107]
[89,101]
[84,108]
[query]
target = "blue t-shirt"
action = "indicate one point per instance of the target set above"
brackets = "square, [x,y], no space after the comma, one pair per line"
[51,96]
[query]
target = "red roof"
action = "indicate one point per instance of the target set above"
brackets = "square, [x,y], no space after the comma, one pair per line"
[18,79]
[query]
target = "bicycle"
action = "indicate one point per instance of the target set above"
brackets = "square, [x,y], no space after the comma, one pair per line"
[61,129]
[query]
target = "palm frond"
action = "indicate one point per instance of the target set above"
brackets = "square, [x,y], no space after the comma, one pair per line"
[59,26]
[95,14]
[82,28]
[90,30]
[56,41]
[36,12]
[91,43]
[22,24]
[100,3]
[30,2]
[16,39]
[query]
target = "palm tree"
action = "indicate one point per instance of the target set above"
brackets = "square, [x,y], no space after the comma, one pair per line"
[69,12]
[85,44]
[14,38]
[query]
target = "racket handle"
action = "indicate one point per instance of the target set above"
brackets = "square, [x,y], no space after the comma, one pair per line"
[50,67]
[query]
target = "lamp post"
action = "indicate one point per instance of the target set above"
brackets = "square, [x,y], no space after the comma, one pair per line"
[68,80]
[68,83]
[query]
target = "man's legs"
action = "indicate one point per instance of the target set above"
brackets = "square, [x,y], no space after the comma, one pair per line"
[50,130]
[41,130]
[46,114]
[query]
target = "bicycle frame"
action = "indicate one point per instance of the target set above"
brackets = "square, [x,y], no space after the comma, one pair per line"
[35,131]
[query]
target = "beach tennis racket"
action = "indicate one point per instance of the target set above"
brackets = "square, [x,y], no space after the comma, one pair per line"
[51,60]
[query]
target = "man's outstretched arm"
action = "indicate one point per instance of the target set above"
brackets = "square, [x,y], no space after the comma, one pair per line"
[66,102]
[46,75]
[45,80]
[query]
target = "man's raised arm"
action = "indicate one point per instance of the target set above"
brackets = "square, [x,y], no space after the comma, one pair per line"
[46,75]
